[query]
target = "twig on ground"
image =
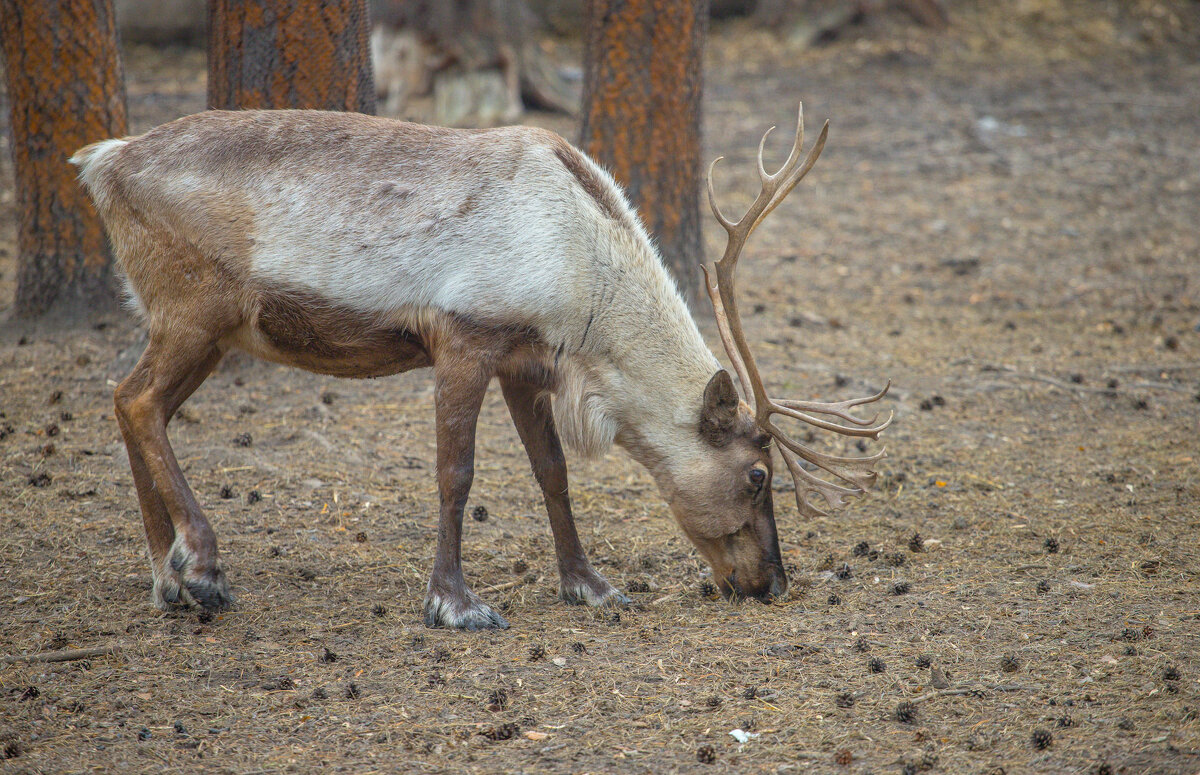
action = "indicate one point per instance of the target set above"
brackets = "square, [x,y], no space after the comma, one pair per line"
[504,586]
[979,690]
[68,655]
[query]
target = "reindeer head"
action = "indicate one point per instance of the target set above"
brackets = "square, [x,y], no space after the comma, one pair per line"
[726,508]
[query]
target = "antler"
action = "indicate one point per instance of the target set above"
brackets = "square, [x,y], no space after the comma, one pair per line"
[854,471]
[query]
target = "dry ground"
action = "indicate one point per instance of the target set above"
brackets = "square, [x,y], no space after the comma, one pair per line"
[1004,223]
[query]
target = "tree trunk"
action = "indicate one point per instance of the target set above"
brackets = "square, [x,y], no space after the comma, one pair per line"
[65,90]
[641,116]
[290,54]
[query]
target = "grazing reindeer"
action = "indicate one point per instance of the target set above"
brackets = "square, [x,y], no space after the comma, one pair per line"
[361,247]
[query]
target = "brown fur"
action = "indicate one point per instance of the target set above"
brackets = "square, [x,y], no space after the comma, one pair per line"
[592,184]
[320,336]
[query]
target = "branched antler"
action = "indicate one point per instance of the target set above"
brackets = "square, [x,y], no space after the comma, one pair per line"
[854,471]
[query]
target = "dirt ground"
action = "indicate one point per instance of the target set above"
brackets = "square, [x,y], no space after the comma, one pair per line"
[1004,223]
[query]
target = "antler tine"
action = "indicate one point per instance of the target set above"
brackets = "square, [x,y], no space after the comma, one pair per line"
[739,366]
[854,471]
[836,496]
[839,408]
[867,430]
[712,200]
[796,177]
[762,171]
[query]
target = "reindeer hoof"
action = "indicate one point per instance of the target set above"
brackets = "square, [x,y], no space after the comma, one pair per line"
[469,614]
[182,585]
[595,592]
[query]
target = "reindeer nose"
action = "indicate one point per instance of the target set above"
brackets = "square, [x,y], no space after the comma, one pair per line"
[773,586]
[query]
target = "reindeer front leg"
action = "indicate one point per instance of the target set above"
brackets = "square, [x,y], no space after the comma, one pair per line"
[578,581]
[460,387]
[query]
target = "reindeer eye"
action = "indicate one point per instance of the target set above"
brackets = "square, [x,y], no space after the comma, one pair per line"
[757,476]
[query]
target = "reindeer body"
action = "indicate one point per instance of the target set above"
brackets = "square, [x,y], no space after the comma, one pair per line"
[361,247]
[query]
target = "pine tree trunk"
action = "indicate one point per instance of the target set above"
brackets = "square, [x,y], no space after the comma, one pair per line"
[290,54]
[641,116]
[65,90]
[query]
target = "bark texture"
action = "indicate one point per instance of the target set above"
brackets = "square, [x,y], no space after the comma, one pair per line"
[65,89]
[290,54]
[641,116]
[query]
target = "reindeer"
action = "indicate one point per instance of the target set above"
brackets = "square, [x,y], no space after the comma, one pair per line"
[361,247]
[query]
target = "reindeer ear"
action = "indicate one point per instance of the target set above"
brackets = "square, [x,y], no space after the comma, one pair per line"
[719,409]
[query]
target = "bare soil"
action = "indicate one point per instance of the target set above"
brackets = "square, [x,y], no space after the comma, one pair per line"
[1004,223]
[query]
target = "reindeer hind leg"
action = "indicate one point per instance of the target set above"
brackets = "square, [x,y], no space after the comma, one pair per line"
[183,549]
